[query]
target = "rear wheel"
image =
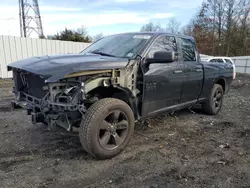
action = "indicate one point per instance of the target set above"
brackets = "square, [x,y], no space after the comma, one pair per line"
[215,100]
[107,128]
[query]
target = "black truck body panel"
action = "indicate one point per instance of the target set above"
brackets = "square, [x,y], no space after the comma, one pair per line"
[166,91]
[212,73]
[162,88]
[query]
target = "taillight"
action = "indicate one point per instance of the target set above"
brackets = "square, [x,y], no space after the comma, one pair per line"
[234,72]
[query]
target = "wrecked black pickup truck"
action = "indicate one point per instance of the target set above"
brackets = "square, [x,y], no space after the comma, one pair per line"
[116,81]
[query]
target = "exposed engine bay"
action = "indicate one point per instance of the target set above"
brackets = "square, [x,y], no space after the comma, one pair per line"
[60,103]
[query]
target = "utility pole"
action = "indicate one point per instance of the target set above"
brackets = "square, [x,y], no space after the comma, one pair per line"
[30,19]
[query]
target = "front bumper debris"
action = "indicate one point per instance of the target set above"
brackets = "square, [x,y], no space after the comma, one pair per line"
[45,111]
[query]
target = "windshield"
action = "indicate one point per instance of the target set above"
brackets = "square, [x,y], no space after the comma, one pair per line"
[122,45]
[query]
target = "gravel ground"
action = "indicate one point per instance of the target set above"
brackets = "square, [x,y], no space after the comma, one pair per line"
[186,149]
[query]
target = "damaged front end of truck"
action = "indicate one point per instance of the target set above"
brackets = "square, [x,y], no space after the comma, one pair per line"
[65,101]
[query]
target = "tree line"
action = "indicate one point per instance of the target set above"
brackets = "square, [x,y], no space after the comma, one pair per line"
[220,28]
[81,34]
[77,35]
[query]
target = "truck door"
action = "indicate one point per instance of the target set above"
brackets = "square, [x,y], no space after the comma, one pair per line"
[193,70]
[162,81]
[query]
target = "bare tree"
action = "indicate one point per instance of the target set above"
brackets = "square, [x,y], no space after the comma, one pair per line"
[245,25]
[97,37]
[152,27]
[222,27]
[82,30]
[173,26]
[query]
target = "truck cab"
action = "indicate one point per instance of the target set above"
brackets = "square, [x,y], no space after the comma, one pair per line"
[167,83]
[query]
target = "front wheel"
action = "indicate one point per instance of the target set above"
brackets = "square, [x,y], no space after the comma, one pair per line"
[215,100]
[107,128]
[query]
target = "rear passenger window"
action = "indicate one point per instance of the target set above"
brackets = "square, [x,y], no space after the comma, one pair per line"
[228,61]
[163,43]
[220,60]
[217,60]
[188,50]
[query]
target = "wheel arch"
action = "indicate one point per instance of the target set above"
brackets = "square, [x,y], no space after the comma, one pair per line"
[221,81]
[118,92]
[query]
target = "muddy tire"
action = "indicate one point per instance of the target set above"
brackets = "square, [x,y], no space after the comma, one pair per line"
[107,128]
[215,100]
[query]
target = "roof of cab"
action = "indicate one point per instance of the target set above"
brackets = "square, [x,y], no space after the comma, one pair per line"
[220,57]
[155,34]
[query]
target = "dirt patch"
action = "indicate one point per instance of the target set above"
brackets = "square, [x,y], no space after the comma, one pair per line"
[242,80]
[186,149]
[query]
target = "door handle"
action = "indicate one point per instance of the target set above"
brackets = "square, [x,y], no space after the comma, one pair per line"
[198,70]
[177,71]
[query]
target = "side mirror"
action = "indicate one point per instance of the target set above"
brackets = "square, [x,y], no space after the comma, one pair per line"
[162,57]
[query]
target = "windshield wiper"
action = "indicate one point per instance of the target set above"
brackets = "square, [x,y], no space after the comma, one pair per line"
[101,53]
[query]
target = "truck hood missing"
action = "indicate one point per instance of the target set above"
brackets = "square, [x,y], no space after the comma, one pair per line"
[56,67]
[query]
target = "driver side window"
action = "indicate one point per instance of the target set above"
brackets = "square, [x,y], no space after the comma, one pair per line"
[162,43]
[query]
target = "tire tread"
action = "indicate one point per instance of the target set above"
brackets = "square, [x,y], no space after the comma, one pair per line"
[207,106]
[92,113]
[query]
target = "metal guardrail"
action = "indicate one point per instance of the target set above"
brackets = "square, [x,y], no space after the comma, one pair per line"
[242,64]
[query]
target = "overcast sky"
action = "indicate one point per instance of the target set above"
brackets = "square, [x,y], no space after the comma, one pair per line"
[99,16]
